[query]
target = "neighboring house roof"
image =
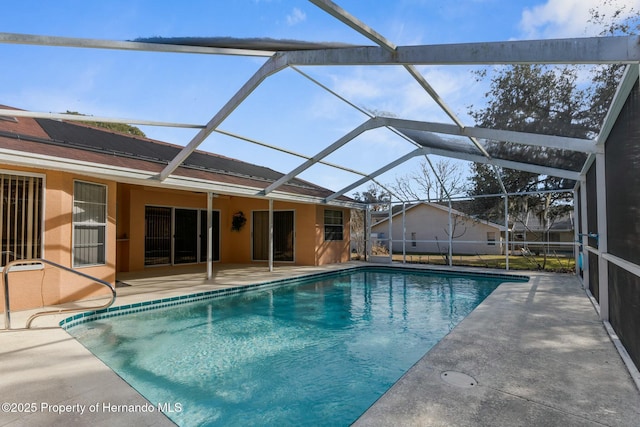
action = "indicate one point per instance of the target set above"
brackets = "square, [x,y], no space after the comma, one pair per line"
[380,217]
[74,141]
[532,222]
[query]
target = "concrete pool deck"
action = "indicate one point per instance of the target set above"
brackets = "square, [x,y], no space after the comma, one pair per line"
[536,351]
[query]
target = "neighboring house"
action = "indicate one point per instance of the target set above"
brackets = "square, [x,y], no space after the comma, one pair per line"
[89,199]
[427,231]
[529,232]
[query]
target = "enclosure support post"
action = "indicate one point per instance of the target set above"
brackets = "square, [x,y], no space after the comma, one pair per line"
[209,235]
[270,235]
[404,235]
[603,264]
[585,229]
[506,232]
[367,234]
[390,231]
[576,232]
[450,236]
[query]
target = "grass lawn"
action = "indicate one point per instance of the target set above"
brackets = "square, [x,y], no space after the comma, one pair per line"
[560,263]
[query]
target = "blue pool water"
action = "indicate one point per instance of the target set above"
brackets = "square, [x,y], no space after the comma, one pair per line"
[309,353]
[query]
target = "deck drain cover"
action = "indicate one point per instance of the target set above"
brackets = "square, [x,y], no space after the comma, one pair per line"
[458,379]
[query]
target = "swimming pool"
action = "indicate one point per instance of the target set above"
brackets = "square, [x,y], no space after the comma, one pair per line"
[311,352]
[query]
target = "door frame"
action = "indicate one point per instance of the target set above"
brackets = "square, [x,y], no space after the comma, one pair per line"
[197,236]
[293,230]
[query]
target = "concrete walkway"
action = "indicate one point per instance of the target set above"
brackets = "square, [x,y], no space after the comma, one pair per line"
[537,354]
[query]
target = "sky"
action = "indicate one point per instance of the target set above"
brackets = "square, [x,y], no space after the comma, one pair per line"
[287,110]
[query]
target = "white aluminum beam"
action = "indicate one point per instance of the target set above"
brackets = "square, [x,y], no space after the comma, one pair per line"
[550,141]
[39,40]
[340,14]
[629,79]
[601,212]
[362,28]
[526,167]
[443,105]
[80,118]
[590,50]
[371,176]
[273,65]
[369,124]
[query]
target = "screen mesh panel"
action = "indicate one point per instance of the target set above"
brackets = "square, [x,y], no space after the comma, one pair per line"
[622,154]
[624,309]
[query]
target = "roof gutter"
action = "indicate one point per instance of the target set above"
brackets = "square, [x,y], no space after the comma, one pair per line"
[149,178]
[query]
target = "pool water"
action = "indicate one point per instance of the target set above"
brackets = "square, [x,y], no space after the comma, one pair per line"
[309,353]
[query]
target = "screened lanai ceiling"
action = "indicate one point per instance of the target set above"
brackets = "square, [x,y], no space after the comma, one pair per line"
[252,108]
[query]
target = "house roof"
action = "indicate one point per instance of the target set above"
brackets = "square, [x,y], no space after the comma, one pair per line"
[59,139]
[397,210]
[532,222]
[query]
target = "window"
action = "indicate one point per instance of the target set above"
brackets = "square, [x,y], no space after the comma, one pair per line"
[491,238]
[333,225]
[20,217]
[89,223]
[413,239]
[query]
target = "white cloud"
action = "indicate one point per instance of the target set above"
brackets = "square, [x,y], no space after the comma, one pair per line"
[567,18]
[296,16]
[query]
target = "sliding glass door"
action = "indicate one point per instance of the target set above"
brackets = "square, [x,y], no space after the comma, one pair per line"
[185,237]
[283,235]
[157,235]
[179,236]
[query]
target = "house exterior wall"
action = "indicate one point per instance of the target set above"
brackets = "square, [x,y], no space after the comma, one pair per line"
[330,252]
[430,224]
[125,236]
[236,245]
[536,241]
[50,286]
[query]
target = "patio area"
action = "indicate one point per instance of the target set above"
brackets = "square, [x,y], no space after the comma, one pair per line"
[536,351]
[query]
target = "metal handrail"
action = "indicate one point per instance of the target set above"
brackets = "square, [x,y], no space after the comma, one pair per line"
[7,269]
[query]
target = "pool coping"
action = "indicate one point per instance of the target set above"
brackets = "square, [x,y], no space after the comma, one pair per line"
[121,310]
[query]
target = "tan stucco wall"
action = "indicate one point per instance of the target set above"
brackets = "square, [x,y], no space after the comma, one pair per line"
[126,236]
[53,286]
[333,251]
[235,246]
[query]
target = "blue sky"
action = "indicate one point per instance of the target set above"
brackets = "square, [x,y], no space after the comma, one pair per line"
[287,110]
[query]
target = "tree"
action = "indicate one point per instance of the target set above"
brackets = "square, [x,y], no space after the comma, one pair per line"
[544,100]
[534,99]
[623,20]
[378,200]
[116,127]
[375,196]
[423,184]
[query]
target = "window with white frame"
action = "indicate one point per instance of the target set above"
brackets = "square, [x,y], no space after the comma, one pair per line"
[491,238]
[89,223]
[333,225]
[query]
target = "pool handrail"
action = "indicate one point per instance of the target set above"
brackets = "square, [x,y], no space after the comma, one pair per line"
[42,261]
